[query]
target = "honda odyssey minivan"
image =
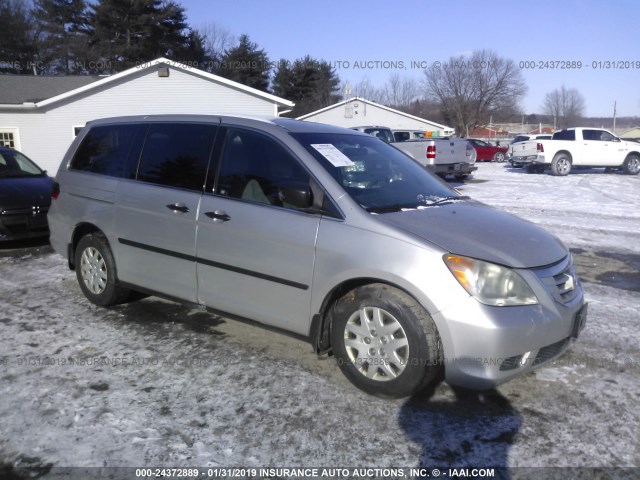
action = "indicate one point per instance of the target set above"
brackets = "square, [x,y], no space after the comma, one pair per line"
[319,231]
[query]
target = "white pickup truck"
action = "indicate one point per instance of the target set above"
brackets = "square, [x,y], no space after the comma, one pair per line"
[578,147]
[442,155]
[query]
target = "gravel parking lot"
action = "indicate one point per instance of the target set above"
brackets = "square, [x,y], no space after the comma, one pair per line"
[153,383]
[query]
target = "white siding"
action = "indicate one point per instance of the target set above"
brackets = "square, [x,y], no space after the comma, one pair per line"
[45,134]
[367,114]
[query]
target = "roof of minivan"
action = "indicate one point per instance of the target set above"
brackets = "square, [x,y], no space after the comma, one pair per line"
[289,124]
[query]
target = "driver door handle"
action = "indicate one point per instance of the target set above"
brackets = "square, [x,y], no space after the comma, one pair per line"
[218,215]
[178,207]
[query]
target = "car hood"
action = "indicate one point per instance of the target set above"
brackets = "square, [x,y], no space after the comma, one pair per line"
[25,191]
[472,229]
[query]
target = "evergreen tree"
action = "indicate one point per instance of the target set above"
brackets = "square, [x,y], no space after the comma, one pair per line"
[246,64]
[63,29]
[131,32]
[311,84]
[17,40]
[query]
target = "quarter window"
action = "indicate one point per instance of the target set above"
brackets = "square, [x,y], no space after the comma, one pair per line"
[105,150]
[253,167]
[177,155]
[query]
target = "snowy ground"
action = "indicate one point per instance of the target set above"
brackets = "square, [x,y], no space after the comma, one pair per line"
[186,388]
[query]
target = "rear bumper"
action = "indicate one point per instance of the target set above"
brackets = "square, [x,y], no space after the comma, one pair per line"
[461,168]
[530,160]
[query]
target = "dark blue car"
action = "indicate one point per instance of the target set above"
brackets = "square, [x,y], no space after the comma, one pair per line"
[25,197]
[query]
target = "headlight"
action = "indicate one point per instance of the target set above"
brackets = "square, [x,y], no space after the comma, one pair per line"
[489,283]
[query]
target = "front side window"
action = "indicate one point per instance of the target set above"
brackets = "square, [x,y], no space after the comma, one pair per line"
[254,167]
[376,175]
[105,150]
[177,155]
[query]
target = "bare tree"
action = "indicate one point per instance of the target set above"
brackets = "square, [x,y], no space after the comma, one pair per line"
[565,105]
[400,91]
[471,89]
[217,40]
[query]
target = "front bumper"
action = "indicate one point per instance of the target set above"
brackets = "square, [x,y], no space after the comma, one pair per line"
[485,346]
[22,223]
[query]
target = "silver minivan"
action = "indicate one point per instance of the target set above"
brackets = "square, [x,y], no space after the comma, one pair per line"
[321,232]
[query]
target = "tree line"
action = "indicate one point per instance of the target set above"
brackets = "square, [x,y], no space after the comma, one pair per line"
[103,37]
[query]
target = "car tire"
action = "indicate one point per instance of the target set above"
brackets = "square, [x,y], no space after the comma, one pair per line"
[499,157]
[631,165]
[561,165]
[385,343]
[461,176]
[96,271]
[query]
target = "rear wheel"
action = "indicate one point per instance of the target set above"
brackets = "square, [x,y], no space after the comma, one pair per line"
[631,165]
[96,271]
[385,342]
[561,164]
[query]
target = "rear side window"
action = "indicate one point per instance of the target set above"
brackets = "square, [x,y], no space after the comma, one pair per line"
[105,150]
[177,155]
[565,135]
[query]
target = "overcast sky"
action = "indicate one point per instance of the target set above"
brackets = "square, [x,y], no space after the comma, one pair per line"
[363,39]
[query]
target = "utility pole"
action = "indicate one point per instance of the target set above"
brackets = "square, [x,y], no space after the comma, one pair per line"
[614,117]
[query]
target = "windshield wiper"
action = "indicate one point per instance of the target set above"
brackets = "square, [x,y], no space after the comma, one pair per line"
[441,200]
[429,202]
[390,208]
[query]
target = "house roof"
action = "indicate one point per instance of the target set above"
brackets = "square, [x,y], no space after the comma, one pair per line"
[631,133]
[369,102]
[18,89]
[43,91]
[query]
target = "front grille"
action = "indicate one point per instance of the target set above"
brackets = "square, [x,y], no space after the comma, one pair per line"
[560,280]
[550,351]
[510,363]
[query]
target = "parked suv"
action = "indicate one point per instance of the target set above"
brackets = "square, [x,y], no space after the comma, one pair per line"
[320,231]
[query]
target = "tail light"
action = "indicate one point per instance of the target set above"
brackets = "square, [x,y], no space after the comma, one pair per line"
[55,191]
[540,147]
[431,151]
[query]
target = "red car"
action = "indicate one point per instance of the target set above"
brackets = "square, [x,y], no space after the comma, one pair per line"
[487,152]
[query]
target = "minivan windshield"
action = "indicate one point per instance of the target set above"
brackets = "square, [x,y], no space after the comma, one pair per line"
[376,175]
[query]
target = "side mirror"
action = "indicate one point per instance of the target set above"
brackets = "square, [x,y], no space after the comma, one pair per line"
[297,195]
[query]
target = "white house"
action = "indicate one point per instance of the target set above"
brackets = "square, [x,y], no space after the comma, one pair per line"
[40,116]
[356,111]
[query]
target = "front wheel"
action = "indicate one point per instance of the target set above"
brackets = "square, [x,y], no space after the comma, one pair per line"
[96,271]
[561,164]
[631,165]
[499,157]
[384,341]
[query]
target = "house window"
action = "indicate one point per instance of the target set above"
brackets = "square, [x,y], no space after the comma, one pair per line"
[348,111]
[8,139]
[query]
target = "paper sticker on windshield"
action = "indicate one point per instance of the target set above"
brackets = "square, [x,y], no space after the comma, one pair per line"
[331,153]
